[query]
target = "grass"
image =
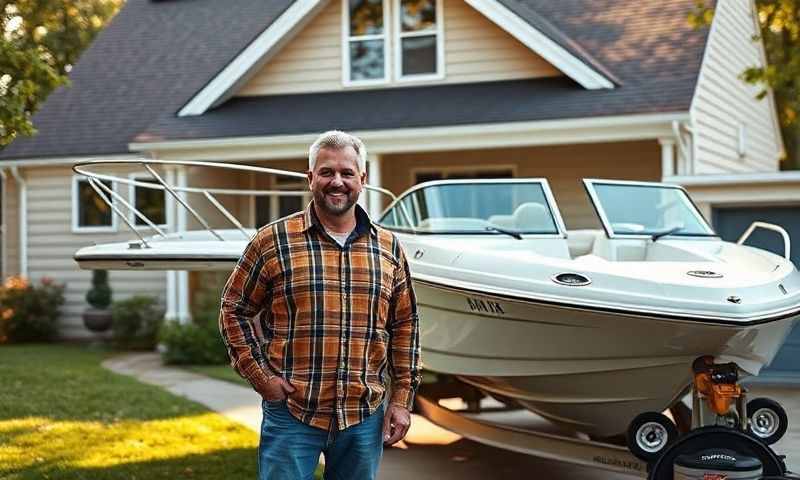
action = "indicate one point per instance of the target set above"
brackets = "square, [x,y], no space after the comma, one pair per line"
[62,416]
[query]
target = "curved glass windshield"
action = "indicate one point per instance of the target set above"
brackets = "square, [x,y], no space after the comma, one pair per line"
[475,208]
[630,209]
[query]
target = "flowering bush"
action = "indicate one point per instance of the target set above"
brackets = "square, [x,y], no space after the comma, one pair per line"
[29,312]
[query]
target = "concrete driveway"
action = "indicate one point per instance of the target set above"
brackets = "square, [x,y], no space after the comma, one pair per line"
[429,452]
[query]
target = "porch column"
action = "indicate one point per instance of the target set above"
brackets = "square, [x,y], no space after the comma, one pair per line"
[374,179]
[172,276]
[667,157]
[183,276]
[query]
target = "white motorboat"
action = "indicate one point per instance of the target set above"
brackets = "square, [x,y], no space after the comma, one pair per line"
[587,328]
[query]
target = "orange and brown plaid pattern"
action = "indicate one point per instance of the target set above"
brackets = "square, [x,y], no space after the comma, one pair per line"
[331,320]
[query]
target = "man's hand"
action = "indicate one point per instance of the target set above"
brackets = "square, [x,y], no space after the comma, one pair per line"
[396,422]
[277,389]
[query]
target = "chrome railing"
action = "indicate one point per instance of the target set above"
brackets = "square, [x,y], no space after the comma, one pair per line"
[787,241]
[112,198]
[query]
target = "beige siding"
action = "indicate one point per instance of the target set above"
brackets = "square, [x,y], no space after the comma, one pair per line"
[51,245]
[11,227]
[476,50]
[563,166]
[723,101]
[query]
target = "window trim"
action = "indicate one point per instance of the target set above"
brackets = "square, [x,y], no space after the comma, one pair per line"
[76,227]
[346,39]
[132,200]
[398,50]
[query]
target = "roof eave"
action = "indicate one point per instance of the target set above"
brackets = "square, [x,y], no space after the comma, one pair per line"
[616,128]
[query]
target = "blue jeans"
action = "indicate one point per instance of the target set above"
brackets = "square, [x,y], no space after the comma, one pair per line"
[289,449]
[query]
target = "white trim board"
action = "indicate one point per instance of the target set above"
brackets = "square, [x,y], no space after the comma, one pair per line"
[50,161]
[462,137]
[735,179]
[255,55]
[535,40]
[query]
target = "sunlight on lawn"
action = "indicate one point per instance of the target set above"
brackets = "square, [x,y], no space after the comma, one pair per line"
[26,442]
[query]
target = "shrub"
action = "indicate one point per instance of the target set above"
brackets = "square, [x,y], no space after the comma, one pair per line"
[29,313]
[199,342]
[192,344]
[99,296]
[135,323]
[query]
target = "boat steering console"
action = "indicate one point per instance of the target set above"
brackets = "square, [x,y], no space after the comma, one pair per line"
[729,437]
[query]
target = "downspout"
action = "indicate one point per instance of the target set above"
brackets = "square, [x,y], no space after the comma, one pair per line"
[3,229]
[23,221]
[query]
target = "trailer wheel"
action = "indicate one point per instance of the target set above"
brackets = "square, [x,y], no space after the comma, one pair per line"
[717,437]
[649,435]
[767,420]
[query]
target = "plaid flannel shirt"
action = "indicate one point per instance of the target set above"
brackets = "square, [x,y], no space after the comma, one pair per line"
[328,319]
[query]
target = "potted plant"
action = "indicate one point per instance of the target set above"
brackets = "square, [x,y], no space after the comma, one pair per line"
[97,317]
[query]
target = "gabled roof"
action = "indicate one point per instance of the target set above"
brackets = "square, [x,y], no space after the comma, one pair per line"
[156,56]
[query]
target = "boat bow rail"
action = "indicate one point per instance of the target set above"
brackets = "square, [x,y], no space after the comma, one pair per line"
[178,193]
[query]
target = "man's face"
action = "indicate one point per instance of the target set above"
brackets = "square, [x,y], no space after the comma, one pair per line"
[335,181]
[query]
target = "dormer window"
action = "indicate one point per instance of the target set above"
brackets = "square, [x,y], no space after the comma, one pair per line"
[385,40]
[367,48]
[419,38]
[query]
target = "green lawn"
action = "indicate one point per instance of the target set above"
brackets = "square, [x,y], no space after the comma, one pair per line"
[62,416]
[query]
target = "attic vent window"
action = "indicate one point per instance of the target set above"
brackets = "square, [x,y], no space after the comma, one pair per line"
[392,39]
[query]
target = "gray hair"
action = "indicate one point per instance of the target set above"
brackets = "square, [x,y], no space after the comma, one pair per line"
[338,140]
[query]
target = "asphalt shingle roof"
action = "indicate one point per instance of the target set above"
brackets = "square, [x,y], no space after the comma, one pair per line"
[148,62]
[155,56]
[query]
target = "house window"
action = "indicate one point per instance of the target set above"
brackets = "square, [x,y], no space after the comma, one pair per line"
[90,213]
[366,41]
[416,46]
[271,208]
[149,201]
[419,38]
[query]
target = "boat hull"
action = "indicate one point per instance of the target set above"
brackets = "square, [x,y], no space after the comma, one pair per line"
[588,370]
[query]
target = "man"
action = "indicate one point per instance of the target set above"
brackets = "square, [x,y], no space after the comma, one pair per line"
[338,314]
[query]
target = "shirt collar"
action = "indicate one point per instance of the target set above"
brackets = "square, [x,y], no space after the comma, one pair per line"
[363,222]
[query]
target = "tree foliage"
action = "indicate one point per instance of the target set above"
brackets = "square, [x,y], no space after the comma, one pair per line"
[40,40]
[780,33]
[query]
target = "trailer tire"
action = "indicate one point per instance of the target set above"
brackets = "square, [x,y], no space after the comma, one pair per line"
[649,435]
[766,420]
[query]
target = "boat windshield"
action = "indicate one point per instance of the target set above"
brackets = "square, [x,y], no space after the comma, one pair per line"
[475,207]
[630,209]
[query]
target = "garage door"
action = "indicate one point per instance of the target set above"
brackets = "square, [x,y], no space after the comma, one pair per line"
[730,223]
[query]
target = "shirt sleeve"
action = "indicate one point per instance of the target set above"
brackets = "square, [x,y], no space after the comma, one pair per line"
[404,354]
[243,297]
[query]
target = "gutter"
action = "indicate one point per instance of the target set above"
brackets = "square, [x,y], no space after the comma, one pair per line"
[23,221]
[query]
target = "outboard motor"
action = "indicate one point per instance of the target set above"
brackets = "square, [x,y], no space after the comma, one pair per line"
[717,464]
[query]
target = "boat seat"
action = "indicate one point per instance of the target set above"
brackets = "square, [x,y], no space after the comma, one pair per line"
[505,221]
[533,216]
[452,223]
[581,242]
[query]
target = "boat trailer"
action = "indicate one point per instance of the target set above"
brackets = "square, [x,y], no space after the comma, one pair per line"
[729,437]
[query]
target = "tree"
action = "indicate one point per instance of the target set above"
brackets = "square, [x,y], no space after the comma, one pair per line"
[780,33]
[40,40]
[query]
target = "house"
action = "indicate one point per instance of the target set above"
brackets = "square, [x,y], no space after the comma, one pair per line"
[436,88]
